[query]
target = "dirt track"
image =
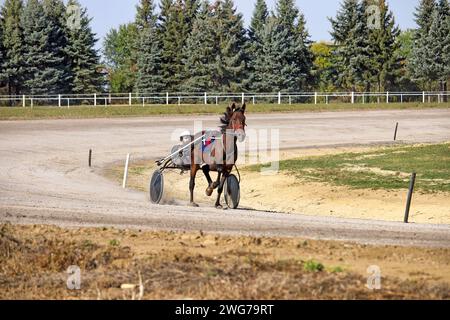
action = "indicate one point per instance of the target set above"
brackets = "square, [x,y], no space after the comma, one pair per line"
[44,176]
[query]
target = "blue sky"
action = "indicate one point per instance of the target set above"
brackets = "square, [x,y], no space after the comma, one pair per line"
[111,13]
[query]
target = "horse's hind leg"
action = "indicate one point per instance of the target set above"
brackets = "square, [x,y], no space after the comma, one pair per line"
[194,169]
[220,190]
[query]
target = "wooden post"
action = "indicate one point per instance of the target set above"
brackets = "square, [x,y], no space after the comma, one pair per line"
[395,134]
[387,97]
[59,100]
[243,97]
[24,103]
[410,194]
[279,97]
[167,98]
[129,99]
[95,99]
[423,97]
[353,97]
[90,158]
[315,97]
[125,173]
[206,98]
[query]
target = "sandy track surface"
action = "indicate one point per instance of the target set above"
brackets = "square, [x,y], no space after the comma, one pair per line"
[44,178]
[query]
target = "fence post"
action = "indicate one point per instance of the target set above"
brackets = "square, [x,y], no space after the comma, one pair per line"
[32,104]
[129,99]
[95,99]
[24,104]
[353,97]
[243,97]
[387,97]
[253,99]
[125,173]
[167,98]
[401,98]
[68,103]
[315,97]
[59,100]
[279,97]
[423,97]
[326,99]
[410,194]
[206,98]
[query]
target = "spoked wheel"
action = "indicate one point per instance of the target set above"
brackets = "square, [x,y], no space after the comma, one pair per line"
[232,191]
[156,187]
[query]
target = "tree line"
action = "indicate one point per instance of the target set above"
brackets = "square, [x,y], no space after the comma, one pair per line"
[41,53]
[199,46]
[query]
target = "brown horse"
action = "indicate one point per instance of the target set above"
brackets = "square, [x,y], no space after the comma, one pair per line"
[221,155]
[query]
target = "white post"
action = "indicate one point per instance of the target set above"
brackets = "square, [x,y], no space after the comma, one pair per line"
[95,99]
[143,102]
[401,98]
[23,101]
[387,97]
[179,100]
[206,98]
[290,100]
[279,97]
[353,97]
[217,100]
[129,99]
[253,99]
[423,96]
[32,103]
[68,103]
[315,97]
[59,100]
[125,173]
[243,97]
[364,98]
[167,98]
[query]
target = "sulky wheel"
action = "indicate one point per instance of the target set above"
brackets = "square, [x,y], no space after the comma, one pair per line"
[156,187]
[232,191]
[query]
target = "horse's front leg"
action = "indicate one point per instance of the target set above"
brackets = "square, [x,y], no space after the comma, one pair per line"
[220,190]
[194,169]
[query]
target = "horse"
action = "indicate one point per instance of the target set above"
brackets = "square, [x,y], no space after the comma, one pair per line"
[221,152]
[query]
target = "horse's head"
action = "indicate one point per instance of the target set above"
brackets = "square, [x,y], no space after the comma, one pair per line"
[234,120]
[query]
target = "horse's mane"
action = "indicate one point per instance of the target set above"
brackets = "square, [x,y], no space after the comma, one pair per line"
[225,119]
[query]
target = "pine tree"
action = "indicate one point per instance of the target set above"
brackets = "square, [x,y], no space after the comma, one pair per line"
[442,47]
[254,46]
[43,65]
[230,61]
[199,54]
[383,47]
[145,15]
[55,12]
[84,58]
[176,24]
[349,32]
[13,63]
[300,60]
[273,68]
[149,60]
[421,51]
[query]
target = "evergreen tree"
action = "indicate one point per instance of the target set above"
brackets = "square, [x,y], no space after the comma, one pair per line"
[230,61]
[149,61]
[421,47]
[84,58]
[442,45]
[199,54]
[274,67]
[55,12]
[43,65]
[349,32]
[254,46]
[13,63]
[176,24]
[300,60]
[145,15]
[383,48]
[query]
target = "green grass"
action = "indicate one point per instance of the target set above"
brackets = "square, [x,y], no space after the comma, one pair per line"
[7,113]
[313,266]
[387,168]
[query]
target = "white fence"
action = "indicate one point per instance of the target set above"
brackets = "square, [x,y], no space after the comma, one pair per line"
[133,99]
